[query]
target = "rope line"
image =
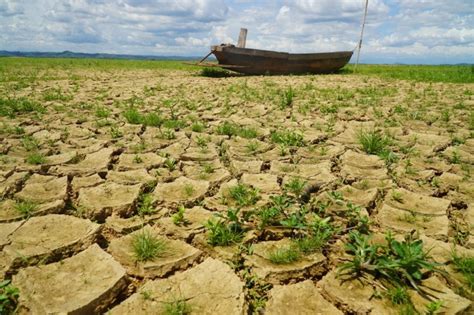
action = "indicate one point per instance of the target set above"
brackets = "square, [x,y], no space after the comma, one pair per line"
[361,34]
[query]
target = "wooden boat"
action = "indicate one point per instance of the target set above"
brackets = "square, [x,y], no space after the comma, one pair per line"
[256,61]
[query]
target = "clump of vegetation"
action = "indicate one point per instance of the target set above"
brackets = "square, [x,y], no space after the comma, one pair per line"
[214,72]
[295,186]
[399,263]
[284,255]
[373,142]
[171,164]
[152,120]
[226,229]
[11,107]
[26,208]
[189,190]
[465,265]
[197,126]
[243,195]
[287,98]
[398,295]
[36,158]
[147,246]
[288,138]
[178,218]
[56,94]
[133,116]
[232,129]
[8,297]
[272,213]
[145,205]
[177,307]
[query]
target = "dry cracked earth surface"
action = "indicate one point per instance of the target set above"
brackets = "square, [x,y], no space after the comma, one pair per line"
[163,192]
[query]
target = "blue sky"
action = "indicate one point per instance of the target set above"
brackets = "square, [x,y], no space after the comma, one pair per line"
[398,31]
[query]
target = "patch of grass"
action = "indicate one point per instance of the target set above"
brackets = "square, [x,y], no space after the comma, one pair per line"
[174,124]
[115,132]
[287,98]
[422,73]
[36,158]
[30,143]
[288,138]
[177,307]
[171,164]
[102,112]
[244,195]
[400,263]
[56,94]
[8,297]
[133,116]
[231,129]
[372,142]
[285,255]
[178,217]
[226,229]
[214,72]
[11,107]
[189,190]
[137,159]
[434,307]
[152,120]
[197,127]
[26,208]
[465,265]
[295,186]
[252,147]
[147,247]
[398,295]
[145,205]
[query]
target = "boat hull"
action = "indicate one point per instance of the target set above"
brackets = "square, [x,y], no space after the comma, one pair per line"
[256,61]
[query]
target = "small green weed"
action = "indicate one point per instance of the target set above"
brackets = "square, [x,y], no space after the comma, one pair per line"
[285,255]
[465,265]
[400,263]
[147,247]
[398,295]
[287,98]
[178,218]
[197,127]
[145,205]
[36,158]
[133,116]
[26,208]
[16,106]
[171,164]
[189,190]
[226,230]
[212,72]
[244,195]
[372,142]
[295,186]
[288,138]
[8,297]
[177,307]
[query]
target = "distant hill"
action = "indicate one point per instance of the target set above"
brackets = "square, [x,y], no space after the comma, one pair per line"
[71,54]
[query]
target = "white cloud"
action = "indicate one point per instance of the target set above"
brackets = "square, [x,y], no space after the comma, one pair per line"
[397,30]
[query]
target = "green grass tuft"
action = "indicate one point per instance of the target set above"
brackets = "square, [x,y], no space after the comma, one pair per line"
[147,247]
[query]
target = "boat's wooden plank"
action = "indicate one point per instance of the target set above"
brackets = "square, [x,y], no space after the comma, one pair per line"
[208,64]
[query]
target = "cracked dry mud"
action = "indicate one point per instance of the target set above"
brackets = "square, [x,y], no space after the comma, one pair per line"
[68,221]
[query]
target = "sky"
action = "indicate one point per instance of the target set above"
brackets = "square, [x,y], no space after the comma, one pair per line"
[397,31]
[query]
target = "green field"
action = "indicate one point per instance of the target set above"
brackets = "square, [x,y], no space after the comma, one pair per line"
[12,68]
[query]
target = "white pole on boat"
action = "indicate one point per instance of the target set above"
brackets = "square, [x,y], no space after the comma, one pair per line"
[242,38]
[361,34]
